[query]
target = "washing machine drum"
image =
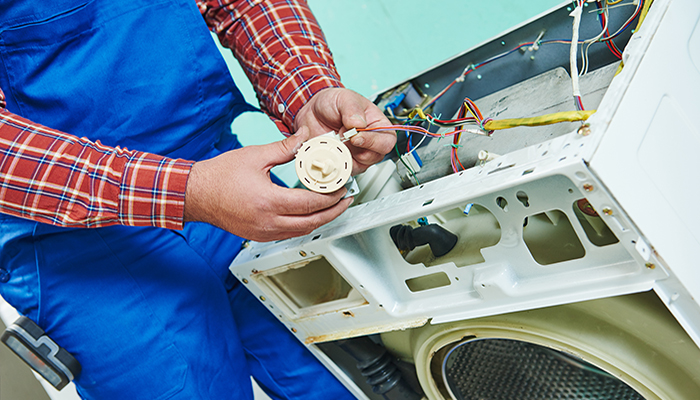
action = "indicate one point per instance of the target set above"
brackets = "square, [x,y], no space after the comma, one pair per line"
[505,369]
[626,347]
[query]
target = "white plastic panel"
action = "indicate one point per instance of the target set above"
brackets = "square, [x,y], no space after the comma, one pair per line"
[648,155]
[358,246]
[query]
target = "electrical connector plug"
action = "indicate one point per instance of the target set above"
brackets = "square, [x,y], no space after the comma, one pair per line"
[410,160]
[347,135]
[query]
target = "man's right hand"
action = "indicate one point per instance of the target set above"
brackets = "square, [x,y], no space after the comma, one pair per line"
[234,192]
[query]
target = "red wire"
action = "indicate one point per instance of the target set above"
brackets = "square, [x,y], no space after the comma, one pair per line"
[455,139]
[454,149]
[610,43]
[636,13]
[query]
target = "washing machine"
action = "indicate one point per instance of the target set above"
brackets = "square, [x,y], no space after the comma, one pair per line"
[554,261]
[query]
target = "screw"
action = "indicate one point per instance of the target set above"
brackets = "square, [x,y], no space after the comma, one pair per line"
[294,330]
[254,271]
[302,253]
[245,280]
[650,265]
[584,130]
[607,211]
[588,187]
[262,298]
[246,244]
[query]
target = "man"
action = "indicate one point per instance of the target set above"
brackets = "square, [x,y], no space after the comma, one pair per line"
[149,312]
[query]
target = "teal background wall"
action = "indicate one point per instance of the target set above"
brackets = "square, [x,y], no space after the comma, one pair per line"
[378,43]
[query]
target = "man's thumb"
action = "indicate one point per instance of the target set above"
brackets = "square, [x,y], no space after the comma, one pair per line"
[287,148]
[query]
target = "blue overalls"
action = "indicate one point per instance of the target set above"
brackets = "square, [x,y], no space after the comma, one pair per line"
[149,313]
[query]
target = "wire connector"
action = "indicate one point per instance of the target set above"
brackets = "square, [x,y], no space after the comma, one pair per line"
[411,161]
[347,135]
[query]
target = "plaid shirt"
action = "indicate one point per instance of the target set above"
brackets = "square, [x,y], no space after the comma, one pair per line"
[53,177]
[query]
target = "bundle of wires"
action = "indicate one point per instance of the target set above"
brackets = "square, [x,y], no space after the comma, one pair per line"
[573,62]
[468,107]
[638,9]
[418,117]
[484,126]
[469,113]
[603,10]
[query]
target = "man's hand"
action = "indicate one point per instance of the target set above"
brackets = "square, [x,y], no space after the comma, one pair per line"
[233,191]
[340,110]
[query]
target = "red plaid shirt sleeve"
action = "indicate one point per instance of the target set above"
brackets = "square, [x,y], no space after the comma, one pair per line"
[281,48]
[52,177]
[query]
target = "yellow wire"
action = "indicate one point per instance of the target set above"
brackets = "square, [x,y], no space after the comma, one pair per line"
[612,3]
[548,119]
[417,111]
[620,66]
[643,13]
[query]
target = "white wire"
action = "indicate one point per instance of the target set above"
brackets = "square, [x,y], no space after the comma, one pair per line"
[576,13]
[418,145]
[589,42]
[631,3]
[639,5]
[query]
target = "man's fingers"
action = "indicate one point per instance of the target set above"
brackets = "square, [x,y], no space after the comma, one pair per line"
[305,202]
[379,142]
[370,147]
[297,225]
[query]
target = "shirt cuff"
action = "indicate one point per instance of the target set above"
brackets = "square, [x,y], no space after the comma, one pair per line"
[152,191]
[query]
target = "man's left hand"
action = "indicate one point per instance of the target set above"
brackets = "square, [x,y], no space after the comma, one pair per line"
[340,110]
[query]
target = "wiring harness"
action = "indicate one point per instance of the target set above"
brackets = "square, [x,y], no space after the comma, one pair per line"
[469,118]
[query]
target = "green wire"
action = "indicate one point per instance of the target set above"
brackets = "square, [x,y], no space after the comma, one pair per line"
[410,170]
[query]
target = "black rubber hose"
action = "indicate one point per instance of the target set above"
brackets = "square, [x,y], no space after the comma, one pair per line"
[379,367]
[440,240]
